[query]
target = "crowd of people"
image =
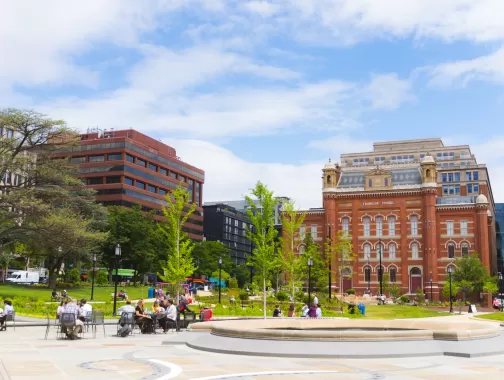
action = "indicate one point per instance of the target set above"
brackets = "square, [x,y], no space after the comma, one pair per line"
[81,310]
[314,311]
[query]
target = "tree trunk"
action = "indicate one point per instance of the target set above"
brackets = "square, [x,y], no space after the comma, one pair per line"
[110,277]
[53,273]
[178,293]
[264,293]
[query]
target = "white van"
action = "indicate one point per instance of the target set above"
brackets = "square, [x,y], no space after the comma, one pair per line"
[24,277]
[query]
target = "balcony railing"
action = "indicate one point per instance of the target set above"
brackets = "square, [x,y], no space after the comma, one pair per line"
[455,200]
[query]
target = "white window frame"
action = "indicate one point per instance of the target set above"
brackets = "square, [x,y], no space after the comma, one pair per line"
[380,247]
[367,226]
[345,225]
[414,225]
[379,226]
[391,225]
[392,251]
[313,231]
[414,251]
[302,232]
[463,227]
[367,251]
[450,227]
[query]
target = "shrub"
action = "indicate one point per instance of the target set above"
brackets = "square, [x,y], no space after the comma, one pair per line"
[395,290]
[244,296]
[233,283]
[74,276]
[404,298]
[350,291]
[282,296]
[101,278]
[300,296]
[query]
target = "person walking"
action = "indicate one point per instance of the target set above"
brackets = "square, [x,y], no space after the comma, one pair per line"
[292,310]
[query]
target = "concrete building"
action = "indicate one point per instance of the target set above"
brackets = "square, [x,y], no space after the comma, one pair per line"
[127,168]
[418,204]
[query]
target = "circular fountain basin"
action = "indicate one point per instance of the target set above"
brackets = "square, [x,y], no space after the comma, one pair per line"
[349,329]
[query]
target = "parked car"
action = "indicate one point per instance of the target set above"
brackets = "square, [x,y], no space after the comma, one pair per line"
[24,277]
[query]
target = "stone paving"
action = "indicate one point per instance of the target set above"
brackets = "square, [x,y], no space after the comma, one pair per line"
[24,355]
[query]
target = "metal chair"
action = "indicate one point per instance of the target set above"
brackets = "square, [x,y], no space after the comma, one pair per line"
[88,319]
[127,319]
[172,325]
[98,319]
[160,316]
[67,321]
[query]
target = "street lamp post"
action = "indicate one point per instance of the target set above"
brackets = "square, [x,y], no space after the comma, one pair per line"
[93,274]
[117,257]
[450,274]
[430,280]
[380,271]
[369,277]
[310,264]
[220,278]
[251,274]
[500,291]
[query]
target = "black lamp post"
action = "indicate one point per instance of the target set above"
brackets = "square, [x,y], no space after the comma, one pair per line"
[93,274]
[430,280]
[220,278]
[380,271]
[369,277]
[500,291]
[449,274]
[310,264]
[117,257]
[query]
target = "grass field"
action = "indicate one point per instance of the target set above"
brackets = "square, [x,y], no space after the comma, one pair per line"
[44,294]
[492,316]
[401,311]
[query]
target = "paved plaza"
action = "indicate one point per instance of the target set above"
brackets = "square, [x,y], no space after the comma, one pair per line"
[24,354]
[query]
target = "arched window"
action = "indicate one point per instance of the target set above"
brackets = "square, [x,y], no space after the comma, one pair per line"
[391,225]
[367,226]
[370,182]
[329,179]
[345,225]
[379,273]
[465,249]
[416,271]
[367,251]
[379,250]
[414,225]
[301,250]
[451,251]
[379,226]
[427,173]
[393,274]
[367,274]
[414,251]
[392,251]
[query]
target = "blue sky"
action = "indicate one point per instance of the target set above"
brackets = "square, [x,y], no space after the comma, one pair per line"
[264,90]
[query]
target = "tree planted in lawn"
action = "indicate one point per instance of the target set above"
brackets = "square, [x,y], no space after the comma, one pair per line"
[179,262]
[263,233]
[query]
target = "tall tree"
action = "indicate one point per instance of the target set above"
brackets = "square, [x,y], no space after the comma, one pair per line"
[470,276]
[179,262]
[292,219]
[263,233]
[206,256]
[319,269]
[341,249]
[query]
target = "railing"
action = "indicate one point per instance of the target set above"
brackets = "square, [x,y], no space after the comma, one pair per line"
[455,200]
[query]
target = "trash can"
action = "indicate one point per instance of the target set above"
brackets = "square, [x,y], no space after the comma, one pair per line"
[362,308]
[150,293]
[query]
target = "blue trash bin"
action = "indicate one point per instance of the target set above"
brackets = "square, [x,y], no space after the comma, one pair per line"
[362,308]
[150,293]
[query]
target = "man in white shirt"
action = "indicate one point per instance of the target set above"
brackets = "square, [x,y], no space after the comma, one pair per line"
[315,299]
[85,310]
[319,312]
[128,308]
[71,307]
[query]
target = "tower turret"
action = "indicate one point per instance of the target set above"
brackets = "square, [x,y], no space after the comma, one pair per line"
[429,173]
[331,176]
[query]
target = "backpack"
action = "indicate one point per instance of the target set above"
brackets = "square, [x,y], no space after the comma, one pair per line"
[125,331]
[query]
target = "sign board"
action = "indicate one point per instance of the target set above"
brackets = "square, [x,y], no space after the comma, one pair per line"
[379,203]
[126,272]
[472,309]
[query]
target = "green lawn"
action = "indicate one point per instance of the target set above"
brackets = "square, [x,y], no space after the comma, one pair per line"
[400,312]
[44,293]
[492,316]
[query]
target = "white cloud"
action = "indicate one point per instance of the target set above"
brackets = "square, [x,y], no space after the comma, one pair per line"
[262,8]
[227,177]
[485,68]
[340,144]
[388,91]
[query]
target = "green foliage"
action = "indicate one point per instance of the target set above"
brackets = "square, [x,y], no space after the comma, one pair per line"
[282,296]
[342,253]
[386,283]
[223,275]
[420,296]
[491,286]
[244,296]
[351,291]
[206,255]
[395,290]
[470,274]
[319,269]
[74,276]
[101,278]
[179,262]
[233,283]
[263,235]
[404,298]
[292,219]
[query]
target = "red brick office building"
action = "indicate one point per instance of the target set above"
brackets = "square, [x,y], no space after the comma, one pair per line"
[128,168]
[418,212]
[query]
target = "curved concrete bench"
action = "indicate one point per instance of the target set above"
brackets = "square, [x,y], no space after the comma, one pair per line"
[349,329]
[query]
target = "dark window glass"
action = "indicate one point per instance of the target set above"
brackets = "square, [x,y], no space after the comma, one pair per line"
[99,158]
[465,250]
[367,274]
[141,162]
[173,175]
[163,171]
[115,179]
[114,156]
[130,158]
[393,275]
[128,181]
[151,188]
[162,191]
[140,185]
[451,251]
[152,167]
[78,160]
[182,178]
[95,181]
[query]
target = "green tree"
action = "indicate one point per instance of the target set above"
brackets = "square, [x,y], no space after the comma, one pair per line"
[179,262]
[341,251]
[263,233]
[101,278]
[74,276]
[470,274]
[319,270]
[386,282]
[223,275]
[233,283]
[292,220]
[206,255]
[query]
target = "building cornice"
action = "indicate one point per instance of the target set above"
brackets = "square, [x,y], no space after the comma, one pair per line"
[463,206]
[370,194]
